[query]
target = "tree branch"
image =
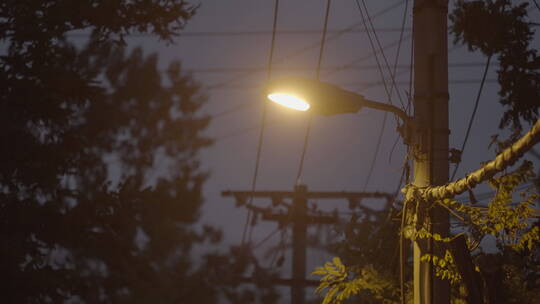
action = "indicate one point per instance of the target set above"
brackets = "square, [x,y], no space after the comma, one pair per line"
[507,158]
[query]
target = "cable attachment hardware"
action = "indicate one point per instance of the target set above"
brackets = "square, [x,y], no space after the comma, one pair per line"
[455,155]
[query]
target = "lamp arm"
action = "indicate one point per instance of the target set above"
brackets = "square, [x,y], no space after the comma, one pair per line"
[387,108]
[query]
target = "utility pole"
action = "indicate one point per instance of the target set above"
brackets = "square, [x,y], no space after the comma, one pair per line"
[299,219]
[431,156]
[299,238]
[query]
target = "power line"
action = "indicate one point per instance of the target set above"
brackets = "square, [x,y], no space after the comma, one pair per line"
[396,59]
[310,118]
[381,131]
[536,3]
[388,92]
[239,33]
[260,69]
[281,247]
[411,78]
[281,32]
[406,168]
[268,237]
[473,114]
[382,52]
[353,62]
[263,118]
[360,84]
[308,47]
[233,33]
[374,160]
[392,44]
[489,194]
[409,102]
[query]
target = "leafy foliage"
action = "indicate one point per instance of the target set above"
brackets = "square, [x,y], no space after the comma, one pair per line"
[508,222]
[335,279]
[508,36]
[368,252]
[35,24]
[445,267]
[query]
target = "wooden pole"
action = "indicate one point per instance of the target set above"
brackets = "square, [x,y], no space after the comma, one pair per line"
[431,138]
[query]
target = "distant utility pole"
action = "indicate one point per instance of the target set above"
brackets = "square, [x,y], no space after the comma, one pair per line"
[299,219]
[431,156]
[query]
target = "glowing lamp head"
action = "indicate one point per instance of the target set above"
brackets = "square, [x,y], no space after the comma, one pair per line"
[289,101]
[303,94]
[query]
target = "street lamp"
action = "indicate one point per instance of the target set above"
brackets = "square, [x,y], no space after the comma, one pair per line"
[305,94]
[322,98]
[430,153]
[426,132]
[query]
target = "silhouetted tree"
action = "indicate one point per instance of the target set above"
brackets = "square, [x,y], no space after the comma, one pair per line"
[100,185]
[507,37]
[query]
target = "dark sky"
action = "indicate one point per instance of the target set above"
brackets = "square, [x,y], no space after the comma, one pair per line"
[341,148]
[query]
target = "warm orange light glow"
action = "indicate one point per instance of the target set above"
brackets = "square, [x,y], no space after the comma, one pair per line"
[289,101]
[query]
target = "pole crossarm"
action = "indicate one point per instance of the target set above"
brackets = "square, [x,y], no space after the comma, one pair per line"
[298,218]
[505,159]
[319,219]
[309,195]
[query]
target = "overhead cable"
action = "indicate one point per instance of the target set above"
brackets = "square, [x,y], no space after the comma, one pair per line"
[281,32]
[261,133]
[310,117]
[382,52]
[362,58]
[489,194]
[473,114]
[389,96]
[308,47]
[536,4]
[324,68]
[388,92]
[362,84]
[406,168]
[233,33]
[268,237]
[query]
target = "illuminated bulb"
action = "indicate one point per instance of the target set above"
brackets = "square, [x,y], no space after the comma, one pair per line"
[289,101]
